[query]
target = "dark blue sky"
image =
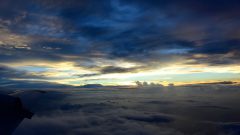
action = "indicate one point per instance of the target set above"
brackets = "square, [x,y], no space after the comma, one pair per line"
[96,41]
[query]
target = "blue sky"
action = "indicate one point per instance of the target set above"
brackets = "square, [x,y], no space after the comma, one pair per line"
[117,42]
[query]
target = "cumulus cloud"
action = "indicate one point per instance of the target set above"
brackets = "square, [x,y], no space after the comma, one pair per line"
[146,84]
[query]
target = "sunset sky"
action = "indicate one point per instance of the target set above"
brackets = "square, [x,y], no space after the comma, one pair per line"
[118,42]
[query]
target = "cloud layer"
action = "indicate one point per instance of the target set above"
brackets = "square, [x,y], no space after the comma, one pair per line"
[203,110]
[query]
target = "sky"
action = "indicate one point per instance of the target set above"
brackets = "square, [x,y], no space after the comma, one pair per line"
[117,42]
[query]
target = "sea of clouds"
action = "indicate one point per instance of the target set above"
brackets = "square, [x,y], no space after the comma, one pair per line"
[190,110]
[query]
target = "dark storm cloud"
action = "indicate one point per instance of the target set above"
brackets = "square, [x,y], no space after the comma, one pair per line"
[112,69]
[220,47]
[145,32]
[218,53]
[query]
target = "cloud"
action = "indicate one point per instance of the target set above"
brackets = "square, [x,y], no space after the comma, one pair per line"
[87,75]
[12,78]
[91,86]
[113,31]
[10,73]
[150,119]
[84,118]
[223,83]
[148,111]
[151,34]
[213,107]
[217,53]
[112,69]
[147,84]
